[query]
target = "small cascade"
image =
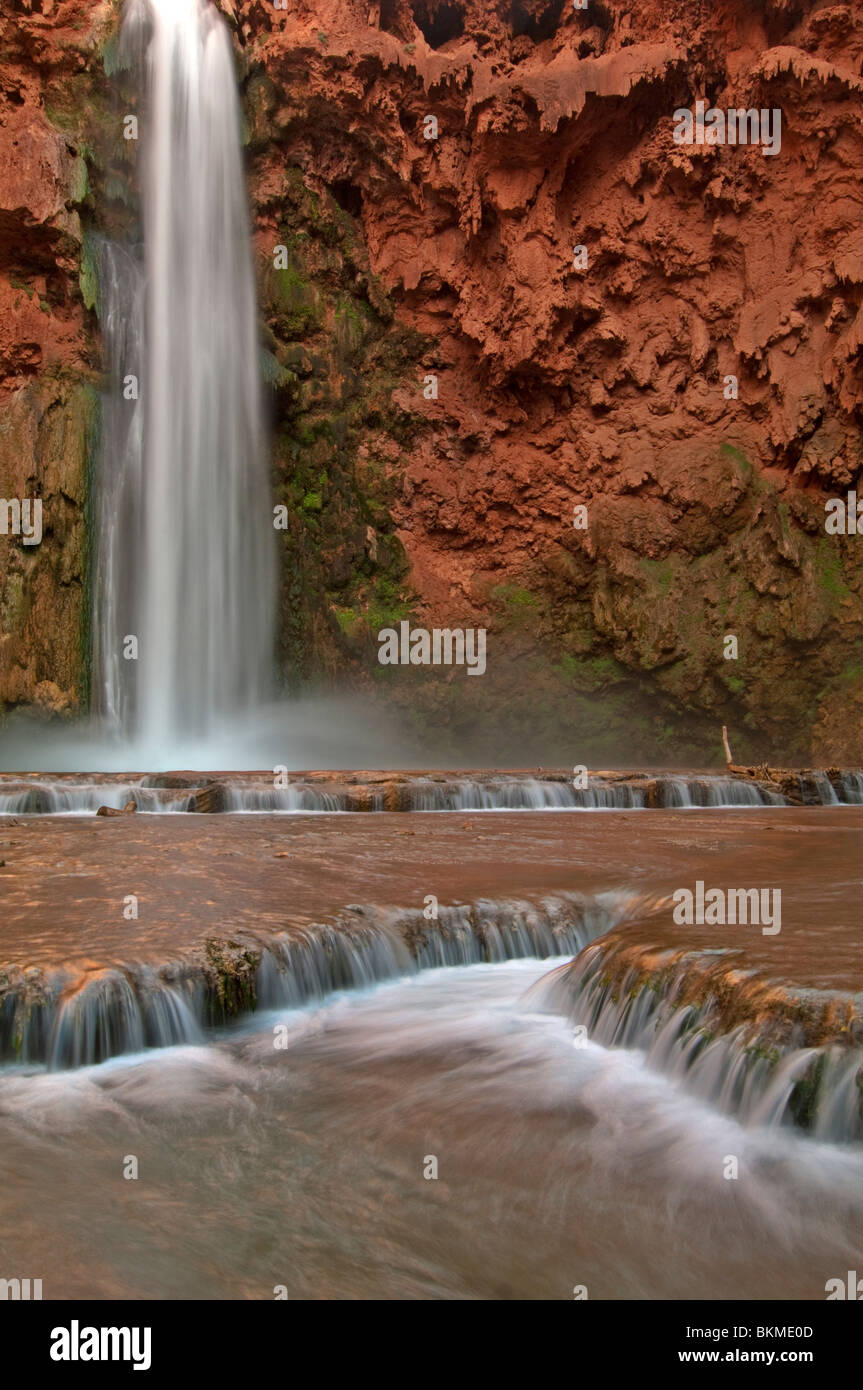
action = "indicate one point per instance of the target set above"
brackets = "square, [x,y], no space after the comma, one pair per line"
[503,794]
[713,791]
[468,935]
[435,794]
[117,1013]
[815,789]
[851,788]
[599,796]
[522,794]
[71,1022]
[818,1089]
[64,798]
[246,795]
[309,965]
[260,799]
[675,792]
[824,790]
[840,1084]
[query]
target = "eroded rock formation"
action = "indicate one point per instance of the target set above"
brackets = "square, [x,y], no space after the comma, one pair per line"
[559,383]
[48,348]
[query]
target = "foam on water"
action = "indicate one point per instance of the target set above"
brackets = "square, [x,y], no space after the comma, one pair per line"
[557,1165]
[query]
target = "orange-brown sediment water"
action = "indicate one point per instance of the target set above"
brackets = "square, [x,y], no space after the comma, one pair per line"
[438,1134]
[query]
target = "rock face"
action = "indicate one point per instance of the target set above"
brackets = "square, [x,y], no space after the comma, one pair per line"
[509,294]
[601,380]
[47,352]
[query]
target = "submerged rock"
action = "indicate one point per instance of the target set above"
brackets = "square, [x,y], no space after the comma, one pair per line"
[210,799]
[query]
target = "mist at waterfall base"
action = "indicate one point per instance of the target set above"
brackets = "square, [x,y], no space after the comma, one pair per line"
[557,1166]
[316,732]
[184,547]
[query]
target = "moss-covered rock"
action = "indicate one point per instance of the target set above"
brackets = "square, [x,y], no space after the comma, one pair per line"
[48,438]
[336,359]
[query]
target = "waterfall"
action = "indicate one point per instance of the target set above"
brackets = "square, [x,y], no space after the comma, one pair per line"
[816,1088]
[187,561]
[121,303]
[251,794]
[851,786]
[67,1020]
[67,798]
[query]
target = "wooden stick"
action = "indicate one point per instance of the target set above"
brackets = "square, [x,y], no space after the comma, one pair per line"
[728,758]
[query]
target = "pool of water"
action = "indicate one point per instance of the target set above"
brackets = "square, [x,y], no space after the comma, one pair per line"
[300,1152]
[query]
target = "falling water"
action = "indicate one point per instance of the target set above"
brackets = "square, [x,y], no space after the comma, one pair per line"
[187,561]
[557,1164]
[121,285]
[69,1019]
[817,1088]
[256,794]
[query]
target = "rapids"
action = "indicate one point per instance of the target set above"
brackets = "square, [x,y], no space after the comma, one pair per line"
[557,1166]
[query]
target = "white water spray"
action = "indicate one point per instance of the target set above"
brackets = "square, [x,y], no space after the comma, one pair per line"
[201,549]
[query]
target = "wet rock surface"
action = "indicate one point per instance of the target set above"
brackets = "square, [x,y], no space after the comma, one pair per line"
[602,387]
[66,879]
[556,387]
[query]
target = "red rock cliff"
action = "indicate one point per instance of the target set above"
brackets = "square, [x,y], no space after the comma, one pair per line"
[599,379]
[606,385]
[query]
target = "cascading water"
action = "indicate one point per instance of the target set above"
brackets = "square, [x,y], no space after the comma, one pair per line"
[186,561]
[817,1088]
[851,786]
[304,1164]
[254,794]
[121,287]
[70,1020]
